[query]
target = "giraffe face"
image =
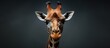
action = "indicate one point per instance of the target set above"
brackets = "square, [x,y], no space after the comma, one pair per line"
[54,20]
[55,26]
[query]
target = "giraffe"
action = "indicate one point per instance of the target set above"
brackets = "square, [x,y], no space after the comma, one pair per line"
[54,20]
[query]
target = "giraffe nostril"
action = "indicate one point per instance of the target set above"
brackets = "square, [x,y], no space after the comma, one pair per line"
[56,31]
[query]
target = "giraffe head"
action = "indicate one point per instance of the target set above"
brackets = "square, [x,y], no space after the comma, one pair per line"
[54,20]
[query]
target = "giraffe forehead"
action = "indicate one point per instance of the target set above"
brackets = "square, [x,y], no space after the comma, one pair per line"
[55,21]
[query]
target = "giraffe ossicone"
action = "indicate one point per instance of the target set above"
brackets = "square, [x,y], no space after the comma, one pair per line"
[54,20]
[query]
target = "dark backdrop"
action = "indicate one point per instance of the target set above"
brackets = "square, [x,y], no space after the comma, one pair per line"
[88,28]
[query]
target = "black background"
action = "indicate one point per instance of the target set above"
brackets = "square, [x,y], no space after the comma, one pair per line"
[88,28]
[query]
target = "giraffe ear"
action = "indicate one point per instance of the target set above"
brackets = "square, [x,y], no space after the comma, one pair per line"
[41,16]
[68,15]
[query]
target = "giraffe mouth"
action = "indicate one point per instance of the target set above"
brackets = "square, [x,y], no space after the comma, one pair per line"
[55,36]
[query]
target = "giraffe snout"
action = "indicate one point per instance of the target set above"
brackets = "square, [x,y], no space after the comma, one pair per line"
[55,36]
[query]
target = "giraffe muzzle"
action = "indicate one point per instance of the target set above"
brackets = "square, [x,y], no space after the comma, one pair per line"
[55,35]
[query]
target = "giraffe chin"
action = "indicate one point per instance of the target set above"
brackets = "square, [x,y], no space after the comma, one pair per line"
[55,36]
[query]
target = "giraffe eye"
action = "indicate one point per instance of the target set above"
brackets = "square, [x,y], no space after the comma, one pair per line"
[47,21]
[62,21]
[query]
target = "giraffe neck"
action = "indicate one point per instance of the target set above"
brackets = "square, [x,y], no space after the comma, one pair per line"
[52,43]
